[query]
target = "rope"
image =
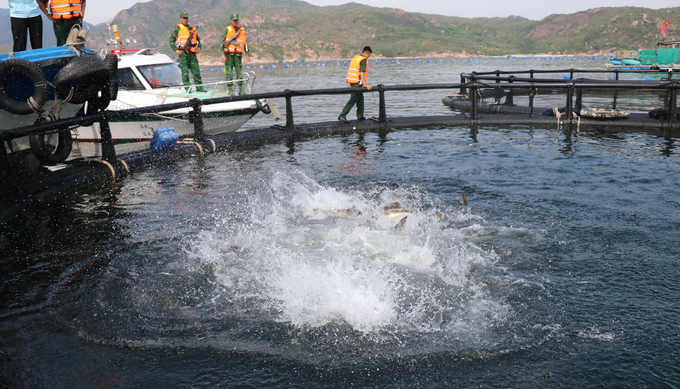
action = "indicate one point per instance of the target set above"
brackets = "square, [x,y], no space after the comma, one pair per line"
[559,115]
[113,171]
[53,113]
[125,165]
[186,142]
[166,117]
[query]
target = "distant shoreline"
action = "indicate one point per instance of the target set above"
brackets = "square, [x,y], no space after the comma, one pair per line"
[216,61]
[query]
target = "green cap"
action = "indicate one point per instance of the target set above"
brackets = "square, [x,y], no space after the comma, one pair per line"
[233,17]
[184,14]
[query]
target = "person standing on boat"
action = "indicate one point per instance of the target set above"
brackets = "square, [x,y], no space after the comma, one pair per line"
[64,14]
[25,16]
[356,77]
[185,42]
[234,45]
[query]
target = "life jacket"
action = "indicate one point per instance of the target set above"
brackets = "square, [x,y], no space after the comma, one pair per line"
[354,70]
[65,9]
[238,45]
[182,37]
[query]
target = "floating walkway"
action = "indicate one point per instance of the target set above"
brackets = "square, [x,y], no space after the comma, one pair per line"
[26,184]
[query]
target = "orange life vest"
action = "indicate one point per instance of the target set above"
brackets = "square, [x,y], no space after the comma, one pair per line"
[65,9]
[238,45]
[355,69]
[182,37]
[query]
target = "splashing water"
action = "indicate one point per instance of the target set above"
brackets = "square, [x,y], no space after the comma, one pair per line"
[311,256]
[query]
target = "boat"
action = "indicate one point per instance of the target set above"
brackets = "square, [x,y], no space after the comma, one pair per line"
[666,55]
[48,84]
[625,61]
[149,78]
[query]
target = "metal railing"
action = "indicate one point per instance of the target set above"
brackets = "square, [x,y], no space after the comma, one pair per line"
[473,82]
[569,85]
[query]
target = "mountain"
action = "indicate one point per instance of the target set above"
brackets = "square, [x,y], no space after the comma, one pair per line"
[293,29]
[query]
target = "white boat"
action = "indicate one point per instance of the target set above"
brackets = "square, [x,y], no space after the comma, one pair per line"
[147,78]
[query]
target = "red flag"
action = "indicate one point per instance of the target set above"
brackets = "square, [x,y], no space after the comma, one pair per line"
[665,23]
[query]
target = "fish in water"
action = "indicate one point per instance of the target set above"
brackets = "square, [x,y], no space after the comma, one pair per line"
[400,225]
[349,212]
[394,211]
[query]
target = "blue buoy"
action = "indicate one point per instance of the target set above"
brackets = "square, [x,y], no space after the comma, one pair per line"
[164,139]
[648,79]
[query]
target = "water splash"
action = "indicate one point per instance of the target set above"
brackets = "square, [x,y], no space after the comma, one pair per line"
[311,255]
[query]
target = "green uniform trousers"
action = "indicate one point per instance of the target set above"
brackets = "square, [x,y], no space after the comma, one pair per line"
[233,61]
[62,27]
[188,61]
[356,98]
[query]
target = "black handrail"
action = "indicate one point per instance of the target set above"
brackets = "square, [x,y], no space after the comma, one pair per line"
[471,81]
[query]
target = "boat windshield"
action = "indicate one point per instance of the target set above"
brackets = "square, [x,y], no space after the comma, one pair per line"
[162,75]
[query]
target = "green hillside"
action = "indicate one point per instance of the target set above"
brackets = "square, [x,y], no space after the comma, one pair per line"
[292,29]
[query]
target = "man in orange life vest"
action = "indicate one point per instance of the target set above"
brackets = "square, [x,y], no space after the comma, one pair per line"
[64,14]
[356,77]
[234,45]
[185,41]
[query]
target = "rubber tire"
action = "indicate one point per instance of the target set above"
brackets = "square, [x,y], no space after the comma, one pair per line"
[87,74]
[34,73]
[111,61]
[51,156]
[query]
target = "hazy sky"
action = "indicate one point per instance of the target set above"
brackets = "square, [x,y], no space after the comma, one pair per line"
[99,11]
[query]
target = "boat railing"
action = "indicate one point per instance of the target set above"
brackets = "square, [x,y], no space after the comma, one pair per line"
[248,79]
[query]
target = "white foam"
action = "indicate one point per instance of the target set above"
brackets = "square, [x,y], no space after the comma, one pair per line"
[289,257]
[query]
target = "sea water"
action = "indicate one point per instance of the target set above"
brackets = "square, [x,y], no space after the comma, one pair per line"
[276,265]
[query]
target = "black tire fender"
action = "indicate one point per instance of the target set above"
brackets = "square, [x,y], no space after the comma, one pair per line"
[86,74]
[53,152]
[20,68]
[111,61]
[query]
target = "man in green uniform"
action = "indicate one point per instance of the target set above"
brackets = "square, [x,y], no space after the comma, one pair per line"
[185,42]
[234,45]
[356,77]
[64,15]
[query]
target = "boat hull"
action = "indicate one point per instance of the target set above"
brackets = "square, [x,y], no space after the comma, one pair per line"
[141,129]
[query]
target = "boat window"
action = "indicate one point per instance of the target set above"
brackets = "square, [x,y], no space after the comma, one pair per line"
[128,81]
[162,75]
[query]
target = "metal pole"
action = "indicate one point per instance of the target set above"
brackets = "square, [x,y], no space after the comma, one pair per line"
[474,90]
[616,92]
[672,104]
[462,81]
[382,117]
[570,97]
[579,100]
[290,124]
[509,98]
[531,96]
[108,150]
[198,119]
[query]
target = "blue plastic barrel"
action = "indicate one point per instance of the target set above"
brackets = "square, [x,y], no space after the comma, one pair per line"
[164,139]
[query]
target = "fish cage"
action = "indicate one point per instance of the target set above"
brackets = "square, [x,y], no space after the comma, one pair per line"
[626,97]
[493,98]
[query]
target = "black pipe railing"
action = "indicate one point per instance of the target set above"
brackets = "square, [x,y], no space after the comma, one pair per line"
[475,82]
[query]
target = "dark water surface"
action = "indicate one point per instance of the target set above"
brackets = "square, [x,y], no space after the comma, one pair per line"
[245,269]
